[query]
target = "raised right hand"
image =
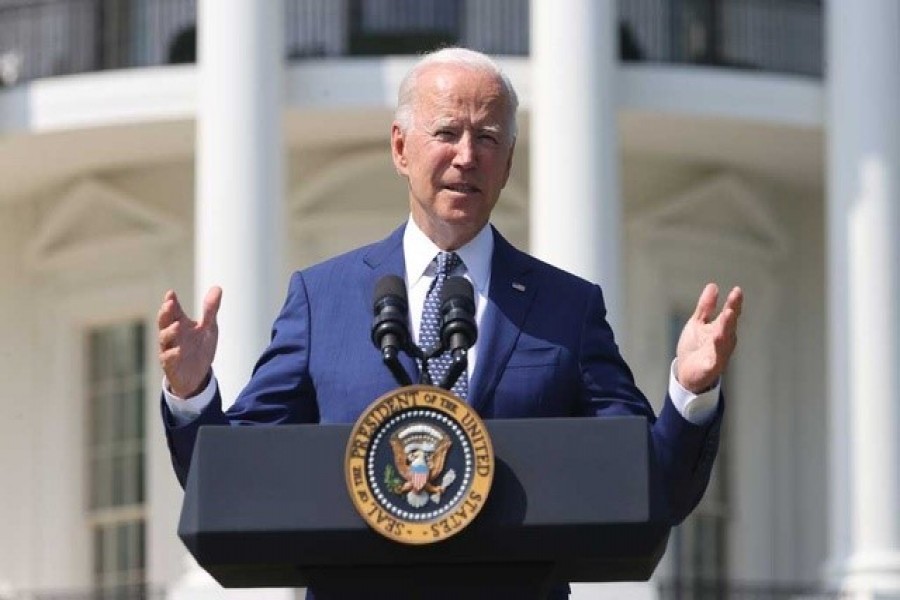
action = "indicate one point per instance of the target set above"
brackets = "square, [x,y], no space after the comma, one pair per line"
[187,347]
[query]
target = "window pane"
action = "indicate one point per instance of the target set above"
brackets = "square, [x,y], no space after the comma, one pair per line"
[98,553]
[100,474]
[115,397]
[118,483]
[139,470]
[122,550]
[141,533]
[136,420]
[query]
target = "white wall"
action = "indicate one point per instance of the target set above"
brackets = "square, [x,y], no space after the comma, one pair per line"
[19,404]
[804,324]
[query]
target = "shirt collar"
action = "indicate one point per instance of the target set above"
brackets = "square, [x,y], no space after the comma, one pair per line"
[419,251]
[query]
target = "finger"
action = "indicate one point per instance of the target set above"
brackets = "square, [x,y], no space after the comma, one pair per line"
[706,304]
[732,309]
[168,337]
[735,300]
[170,310]
[169,358]
[729,319]
[176,305]
[725,338]
[211,304]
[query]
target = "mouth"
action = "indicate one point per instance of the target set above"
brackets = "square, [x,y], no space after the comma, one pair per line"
[462,188]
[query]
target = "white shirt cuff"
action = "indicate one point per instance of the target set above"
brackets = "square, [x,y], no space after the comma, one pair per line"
[695,408]
[185,410]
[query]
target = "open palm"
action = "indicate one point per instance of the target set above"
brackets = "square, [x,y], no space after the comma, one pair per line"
[707,342]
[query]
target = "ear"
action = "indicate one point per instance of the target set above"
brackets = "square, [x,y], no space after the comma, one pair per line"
[512,151]
[398,149]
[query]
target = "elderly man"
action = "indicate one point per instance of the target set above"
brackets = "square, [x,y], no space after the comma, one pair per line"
[544,348]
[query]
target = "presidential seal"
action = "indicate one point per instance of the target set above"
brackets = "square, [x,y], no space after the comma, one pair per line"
[419,465]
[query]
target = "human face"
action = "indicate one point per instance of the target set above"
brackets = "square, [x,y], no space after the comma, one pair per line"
[456,154]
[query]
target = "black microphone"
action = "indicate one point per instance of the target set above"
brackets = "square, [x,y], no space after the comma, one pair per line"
[458,328]
[390,328]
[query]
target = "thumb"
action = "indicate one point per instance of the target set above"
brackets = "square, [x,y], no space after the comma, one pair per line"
[211,303]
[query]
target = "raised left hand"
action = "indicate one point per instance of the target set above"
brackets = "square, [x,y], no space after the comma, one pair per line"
[708,341]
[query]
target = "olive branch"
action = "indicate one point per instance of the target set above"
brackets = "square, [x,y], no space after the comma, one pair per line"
[392,480]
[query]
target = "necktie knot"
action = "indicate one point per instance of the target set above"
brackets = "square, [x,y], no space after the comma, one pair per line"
[447,262]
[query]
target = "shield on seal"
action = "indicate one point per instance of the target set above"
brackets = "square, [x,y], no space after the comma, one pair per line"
[419,475]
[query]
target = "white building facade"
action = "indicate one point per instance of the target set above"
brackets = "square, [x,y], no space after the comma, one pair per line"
[662,144]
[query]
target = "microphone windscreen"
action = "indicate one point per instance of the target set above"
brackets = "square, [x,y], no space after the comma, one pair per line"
[458,327]
[390,285]
[457,287]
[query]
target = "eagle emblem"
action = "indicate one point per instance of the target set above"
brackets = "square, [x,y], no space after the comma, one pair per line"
[420,452]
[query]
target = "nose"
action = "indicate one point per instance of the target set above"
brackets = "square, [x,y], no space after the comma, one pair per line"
[465,152]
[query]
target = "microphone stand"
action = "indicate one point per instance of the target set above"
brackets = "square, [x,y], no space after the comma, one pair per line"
[391,359]
[460,361]
[390,356]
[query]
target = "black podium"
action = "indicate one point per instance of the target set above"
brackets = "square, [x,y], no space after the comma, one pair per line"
[572,500]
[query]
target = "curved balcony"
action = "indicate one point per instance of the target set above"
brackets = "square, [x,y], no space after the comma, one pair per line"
[50,38]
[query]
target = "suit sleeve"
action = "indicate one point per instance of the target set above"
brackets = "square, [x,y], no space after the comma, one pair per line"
[684,452]
[279,391]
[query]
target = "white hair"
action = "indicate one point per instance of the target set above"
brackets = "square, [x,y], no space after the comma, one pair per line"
[463,57]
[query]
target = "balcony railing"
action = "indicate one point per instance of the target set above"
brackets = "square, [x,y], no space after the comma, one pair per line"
[49,38]
[785,36]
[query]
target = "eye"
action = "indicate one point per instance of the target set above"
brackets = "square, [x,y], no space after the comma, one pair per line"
[491,138]
[445,134]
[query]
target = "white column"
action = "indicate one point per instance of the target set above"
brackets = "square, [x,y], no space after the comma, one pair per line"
[863,92]
[575,204]
[239,203]
[239,186]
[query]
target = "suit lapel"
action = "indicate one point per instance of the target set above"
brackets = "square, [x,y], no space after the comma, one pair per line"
[386,258]
[510,297]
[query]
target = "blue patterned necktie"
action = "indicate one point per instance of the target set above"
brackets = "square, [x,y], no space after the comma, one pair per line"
[430,327]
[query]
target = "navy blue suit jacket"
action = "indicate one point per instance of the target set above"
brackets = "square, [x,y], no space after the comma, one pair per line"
[546,351]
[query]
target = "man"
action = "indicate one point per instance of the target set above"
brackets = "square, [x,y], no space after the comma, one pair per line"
[544,347]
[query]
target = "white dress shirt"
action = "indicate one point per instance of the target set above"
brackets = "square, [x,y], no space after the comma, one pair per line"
[419,253]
